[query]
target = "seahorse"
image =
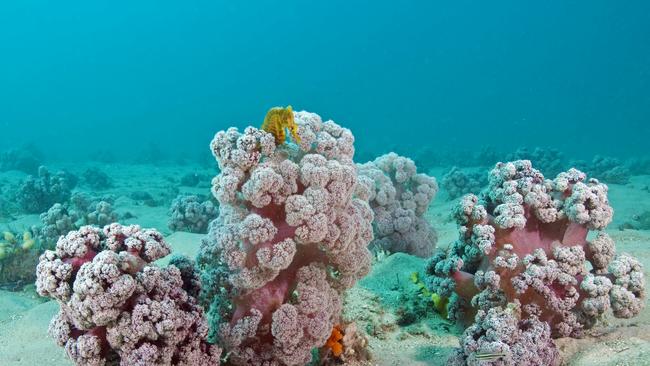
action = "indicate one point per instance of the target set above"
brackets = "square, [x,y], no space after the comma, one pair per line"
[276,120]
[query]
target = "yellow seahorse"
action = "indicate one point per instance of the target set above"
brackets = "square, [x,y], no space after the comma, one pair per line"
[276,120]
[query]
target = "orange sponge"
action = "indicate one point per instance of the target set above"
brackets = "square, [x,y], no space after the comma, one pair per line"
[334,343]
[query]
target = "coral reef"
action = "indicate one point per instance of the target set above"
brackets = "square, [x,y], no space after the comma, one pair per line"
[90,210]
[38,193]
[458,182]
[548,160]
[290,237]
[524,242]
[95,178]
[607,169]
[191,213]
[399,197]
[81,210]
[116,307]
[55,222]
[26,159]
[500,337]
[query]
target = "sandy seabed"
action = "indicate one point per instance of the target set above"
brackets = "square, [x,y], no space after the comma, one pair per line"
[373,303]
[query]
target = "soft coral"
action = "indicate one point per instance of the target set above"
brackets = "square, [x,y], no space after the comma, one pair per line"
[524,241]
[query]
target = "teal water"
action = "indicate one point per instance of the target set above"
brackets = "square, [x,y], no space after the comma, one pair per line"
[120,100]
[452,75]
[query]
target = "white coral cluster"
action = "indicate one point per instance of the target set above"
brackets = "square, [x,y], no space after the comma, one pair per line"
[190,213]
[116,306]
[524,241]
[399,197]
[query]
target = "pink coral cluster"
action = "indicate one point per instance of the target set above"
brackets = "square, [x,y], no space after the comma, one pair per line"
[399,197]
[524,242]
[501,337]
[290,238]
[116,307]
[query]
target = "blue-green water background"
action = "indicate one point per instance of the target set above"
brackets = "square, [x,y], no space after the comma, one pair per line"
[79,76]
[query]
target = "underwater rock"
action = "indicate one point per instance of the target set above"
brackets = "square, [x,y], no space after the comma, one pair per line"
[399,197]
[116,306]
[458,182]
[27,159]
[8,207]
[288,219]
[38,193]
[190,179]
[140,196]
[95,178]
[524,240]
[607,169]
[191,213]
[638,222]
[144,198]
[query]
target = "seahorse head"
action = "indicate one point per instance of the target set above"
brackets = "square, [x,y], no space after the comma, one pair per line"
[290,123]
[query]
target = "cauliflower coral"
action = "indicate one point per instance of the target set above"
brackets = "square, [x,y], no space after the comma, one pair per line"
[523,243]
[399,197]
[116,307]
[291,236]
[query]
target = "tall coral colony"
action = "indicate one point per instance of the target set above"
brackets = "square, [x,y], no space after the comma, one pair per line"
[291,236]
[296,220]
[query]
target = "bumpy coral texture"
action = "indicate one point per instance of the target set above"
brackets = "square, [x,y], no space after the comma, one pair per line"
[55,222]
[549,160]
[500,337]
[399,196]
[290,238]
[607,169]
[62,218]
[117,308]
[189,213]
[524,241]
[458,182]
[26,159]
[38,193]
[95,178]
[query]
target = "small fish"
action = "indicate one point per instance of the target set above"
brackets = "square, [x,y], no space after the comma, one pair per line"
[414,277]
[489,356]
[440,304]
[276,120]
